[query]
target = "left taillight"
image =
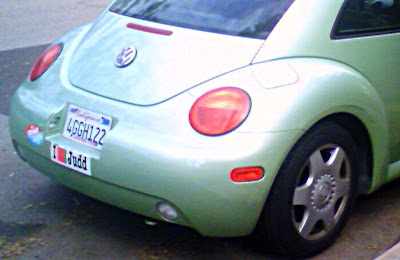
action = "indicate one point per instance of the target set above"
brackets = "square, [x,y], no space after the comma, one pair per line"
[45,60]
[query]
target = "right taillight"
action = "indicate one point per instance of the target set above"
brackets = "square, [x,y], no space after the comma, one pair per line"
[45,60]
[220,111]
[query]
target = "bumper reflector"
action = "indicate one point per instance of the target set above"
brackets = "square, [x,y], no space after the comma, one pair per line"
[247,174]
[166,211]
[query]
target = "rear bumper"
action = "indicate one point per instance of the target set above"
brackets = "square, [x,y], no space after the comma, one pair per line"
[148,158]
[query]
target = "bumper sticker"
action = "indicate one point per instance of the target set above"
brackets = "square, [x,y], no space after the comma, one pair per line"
[71,159]
[34,135]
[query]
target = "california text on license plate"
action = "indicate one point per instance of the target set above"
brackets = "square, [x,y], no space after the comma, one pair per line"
[86,126]
[71,159]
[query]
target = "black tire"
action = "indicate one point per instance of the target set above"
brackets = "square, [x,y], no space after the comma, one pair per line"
[315,175]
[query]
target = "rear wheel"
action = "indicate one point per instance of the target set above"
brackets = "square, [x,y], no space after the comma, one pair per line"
[312,193]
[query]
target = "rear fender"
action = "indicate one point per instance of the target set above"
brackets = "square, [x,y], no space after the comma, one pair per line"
[303,91]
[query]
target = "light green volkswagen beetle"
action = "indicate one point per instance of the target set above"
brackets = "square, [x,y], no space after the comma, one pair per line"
[230,117]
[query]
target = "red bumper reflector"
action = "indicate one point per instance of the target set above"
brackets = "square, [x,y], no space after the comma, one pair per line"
[149,29]
[247,174]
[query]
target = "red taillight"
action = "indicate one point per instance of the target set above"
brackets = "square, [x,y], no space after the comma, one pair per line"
[247,174]
[45,60]
[220,111]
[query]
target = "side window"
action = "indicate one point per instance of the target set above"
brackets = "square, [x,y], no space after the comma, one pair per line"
[367,17]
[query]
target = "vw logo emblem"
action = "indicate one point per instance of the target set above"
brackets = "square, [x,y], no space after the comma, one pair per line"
[126,56]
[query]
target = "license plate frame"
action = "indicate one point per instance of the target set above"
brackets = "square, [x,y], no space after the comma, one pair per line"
[86,127]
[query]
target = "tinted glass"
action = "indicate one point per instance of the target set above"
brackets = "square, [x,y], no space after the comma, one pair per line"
[254,19]
[363,17]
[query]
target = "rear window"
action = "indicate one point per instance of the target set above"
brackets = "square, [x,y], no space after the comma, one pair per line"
[254,19]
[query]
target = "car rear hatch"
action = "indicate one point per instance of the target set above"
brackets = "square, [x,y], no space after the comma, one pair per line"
[170,59]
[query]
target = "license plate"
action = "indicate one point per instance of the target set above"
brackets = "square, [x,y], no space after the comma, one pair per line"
[86,126]
[71,159]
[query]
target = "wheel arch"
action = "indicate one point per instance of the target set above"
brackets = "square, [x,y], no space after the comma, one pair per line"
[349,99]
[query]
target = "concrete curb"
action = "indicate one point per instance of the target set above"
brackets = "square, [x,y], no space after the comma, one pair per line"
[392,254]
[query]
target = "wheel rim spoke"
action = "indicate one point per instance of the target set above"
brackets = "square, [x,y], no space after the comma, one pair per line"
[307,225]
[342,188]
[336,161]
[302,196]
[317,164]
[328,218]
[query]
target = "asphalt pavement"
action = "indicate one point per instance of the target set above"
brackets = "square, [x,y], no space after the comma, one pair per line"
[31,23]
[14,68]
[40,219]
